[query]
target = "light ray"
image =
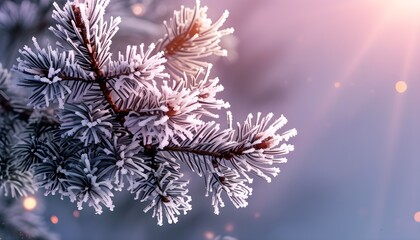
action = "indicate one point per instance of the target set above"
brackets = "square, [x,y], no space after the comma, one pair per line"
[394,126]
[401,8]
[328,102]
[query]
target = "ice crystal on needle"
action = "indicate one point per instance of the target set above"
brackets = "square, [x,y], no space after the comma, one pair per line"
[101,125]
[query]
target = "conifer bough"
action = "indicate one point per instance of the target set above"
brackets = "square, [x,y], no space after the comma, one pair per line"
[97,124]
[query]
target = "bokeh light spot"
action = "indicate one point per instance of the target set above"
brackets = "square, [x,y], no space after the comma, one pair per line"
[29,203]
[208,235]
[257,215]
[401,86]
[137,9]
[337,84]
[54,219]
[417,216]
[76,214]
[229,227]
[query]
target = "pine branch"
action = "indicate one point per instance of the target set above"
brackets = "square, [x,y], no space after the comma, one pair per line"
[264,144]
[6,97]
[94,63]
[137,67]
[252,147]
[162,187]
[198,152]
[86,41]
[125,121]
[190,39]
[7,106]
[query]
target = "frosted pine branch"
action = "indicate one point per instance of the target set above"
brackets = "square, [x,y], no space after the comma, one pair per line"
[14,181]
[191,37]
[120,159]
[221,157]
[48,72]
[163,189]
[90,124]
[10,101]
[132,71]
[170,114]
[83,27]
[227,180]
[102,125]
[86,186]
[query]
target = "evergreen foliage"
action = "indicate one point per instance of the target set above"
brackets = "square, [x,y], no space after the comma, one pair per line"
[95,125]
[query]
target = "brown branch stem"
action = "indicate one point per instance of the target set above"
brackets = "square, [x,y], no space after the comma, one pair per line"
[101,79]
[177,43]
[195,151]
[225,155]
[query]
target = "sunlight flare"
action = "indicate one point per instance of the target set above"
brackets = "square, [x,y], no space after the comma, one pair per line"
[401,8]
[405,6]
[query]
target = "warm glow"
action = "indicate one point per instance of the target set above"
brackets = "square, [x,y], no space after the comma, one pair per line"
[402,8]
[76,214]
[54,219]
[229,227]
[401,86]
[138,9]
[337,84]
[209,235]
[406,5]
[29,203]
[417,217]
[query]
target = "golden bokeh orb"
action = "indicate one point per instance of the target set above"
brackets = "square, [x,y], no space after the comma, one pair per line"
[401,86]
[29,203]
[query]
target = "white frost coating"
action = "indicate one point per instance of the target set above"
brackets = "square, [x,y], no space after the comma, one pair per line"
[190,38]
[125,122]
[89,125]
[97,192]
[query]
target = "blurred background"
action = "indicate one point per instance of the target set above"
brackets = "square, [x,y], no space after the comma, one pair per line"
[346,74]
